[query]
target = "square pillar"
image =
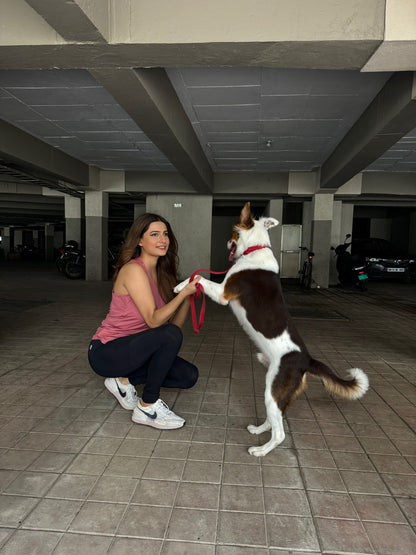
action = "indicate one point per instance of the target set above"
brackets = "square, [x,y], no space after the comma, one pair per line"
[96,235]
[49,242]
[73,219]
[322,214]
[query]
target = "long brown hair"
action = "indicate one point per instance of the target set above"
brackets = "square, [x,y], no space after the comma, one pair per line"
[167,266]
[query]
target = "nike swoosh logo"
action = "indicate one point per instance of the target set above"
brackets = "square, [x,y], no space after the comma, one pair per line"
[152,416]
[122,393]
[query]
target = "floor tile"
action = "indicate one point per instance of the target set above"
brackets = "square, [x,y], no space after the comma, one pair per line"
[127,546]
[31,541]
[332,505]
[113,488]
[14,509]
[89,464]
[32,483]
[391,539]
[202,471]
[196,495]
[241,528]
[145,521]
[192,525]
[291,532]
[378,508]
[242,498]
[155,492]
[188,548]
[347,536]
[74,544]
[52,514]
[72,486]
[98,518]
[290,502]
[242,474]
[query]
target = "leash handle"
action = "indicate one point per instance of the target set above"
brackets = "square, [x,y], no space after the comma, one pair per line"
[197,323]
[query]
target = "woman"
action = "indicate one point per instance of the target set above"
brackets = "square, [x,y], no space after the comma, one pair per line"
[139,339]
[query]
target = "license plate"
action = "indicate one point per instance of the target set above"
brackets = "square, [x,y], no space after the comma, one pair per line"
[363,276]
[395,269]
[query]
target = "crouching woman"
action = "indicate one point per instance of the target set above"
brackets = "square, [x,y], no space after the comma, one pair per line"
[139,340]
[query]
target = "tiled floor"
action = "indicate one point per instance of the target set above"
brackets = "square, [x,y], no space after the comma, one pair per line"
[77,476]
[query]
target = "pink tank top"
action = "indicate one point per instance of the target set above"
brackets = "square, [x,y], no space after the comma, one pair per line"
[124,317]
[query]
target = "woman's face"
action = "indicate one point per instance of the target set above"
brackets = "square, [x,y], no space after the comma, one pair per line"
[155,241]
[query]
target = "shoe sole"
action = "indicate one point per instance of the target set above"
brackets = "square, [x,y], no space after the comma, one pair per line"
[153,424]
[119,399]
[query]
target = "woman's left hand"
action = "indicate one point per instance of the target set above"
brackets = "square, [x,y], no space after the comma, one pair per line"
[191,288]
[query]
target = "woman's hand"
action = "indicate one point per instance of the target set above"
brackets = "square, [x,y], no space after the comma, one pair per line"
[191,288]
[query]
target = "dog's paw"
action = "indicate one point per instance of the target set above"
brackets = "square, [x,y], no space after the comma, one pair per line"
[256,451]
[254,429]
[180,286]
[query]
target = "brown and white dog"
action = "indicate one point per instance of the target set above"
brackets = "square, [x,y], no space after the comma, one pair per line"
[253,290]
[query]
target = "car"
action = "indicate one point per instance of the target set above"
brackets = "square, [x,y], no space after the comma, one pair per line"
[385,261]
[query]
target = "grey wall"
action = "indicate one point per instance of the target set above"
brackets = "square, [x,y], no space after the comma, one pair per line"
[191,219]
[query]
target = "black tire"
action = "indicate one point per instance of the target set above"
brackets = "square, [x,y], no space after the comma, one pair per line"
[73,270]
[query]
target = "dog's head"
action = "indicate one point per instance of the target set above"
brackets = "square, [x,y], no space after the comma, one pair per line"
[249,232]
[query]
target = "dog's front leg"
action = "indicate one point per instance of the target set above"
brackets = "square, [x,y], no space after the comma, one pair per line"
[213,290]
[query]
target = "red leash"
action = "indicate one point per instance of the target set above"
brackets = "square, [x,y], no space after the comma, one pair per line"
[197,324]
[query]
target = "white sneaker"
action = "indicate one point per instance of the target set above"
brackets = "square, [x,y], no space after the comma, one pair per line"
[126,395]
[157,415]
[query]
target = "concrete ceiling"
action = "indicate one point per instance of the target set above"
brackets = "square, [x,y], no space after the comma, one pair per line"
[335,103]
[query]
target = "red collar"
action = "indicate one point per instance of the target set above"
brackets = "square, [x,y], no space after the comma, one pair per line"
[251,249]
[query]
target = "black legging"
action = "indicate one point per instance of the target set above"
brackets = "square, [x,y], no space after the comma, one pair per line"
[149,357]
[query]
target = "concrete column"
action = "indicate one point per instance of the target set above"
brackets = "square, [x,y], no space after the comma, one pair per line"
[73,219]
[96,235]
[336,235]
[342,220]
[49,242]
[139,209]
[322,214]
[5,241]
[191,219]
[275,210]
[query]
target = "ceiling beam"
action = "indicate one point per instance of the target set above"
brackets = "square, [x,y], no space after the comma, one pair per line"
[390,116]
[149,98]
[19,148]
[70,21]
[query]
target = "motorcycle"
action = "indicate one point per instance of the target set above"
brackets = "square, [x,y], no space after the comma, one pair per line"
[352,270]
[71,261]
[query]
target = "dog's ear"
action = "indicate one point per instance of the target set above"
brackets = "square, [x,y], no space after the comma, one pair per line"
[269,222]
[246,219]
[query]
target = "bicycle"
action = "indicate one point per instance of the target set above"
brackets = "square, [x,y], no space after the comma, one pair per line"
[306,272]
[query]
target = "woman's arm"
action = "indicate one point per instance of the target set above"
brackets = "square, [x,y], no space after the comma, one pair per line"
[132,280]
[181,314]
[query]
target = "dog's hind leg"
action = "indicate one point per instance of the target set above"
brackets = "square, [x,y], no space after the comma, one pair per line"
[265,427]
[275,420]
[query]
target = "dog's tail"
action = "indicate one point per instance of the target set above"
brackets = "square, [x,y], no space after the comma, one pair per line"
[348,389]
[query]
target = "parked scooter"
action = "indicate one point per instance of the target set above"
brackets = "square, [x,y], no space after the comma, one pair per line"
[351,270]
